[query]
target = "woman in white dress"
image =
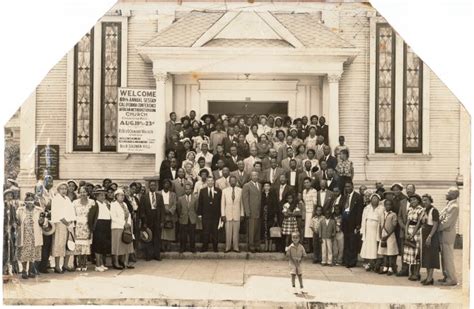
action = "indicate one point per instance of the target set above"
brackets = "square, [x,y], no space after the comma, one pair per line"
[310,196]
[371,218]
[120,219]
[63,217]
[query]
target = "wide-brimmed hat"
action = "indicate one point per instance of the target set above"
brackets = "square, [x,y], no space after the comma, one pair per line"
[397,184]
[119,191]
[98,190]
[146,235]
[48,229]
[186,140]
[212,117]
[415,196]
[8,191]
[62,183]
[293,128]
[263,116]
[74,182]
[388,192]
[376,195]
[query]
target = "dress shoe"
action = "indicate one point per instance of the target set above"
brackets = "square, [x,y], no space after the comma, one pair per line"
[227,251]
[442,280]
[58,271]
[130,267]
[118,267]
[236,251]
[158,259]
[24,275]
[402,274]
[431,282]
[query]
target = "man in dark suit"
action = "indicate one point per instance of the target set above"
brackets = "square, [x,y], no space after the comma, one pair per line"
[229,140]
[323,129]
[330,159]
[352,207]
[272,175]
[233,158]
[241,175]
[252,200]
[152,215]
[170,172]
[324,197]
[332,179]
[209,209]
[292,174]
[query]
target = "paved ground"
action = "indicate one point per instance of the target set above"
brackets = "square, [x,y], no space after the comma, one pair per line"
[229,281]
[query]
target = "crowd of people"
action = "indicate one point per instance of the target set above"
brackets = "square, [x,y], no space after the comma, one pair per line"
[265,179]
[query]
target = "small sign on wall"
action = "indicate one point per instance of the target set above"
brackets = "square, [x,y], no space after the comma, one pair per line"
[137,127]
[47,161]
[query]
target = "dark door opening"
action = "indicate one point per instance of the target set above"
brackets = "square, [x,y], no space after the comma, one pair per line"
[241,108]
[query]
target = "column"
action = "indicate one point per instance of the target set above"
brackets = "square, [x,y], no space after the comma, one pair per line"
[333,109]
[161,93]
[27,176]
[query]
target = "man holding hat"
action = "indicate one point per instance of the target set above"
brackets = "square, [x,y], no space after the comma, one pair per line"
[44,194]
[447,229]
[152,215]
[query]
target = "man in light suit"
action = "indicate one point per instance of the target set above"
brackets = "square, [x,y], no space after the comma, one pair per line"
[447,229]
[232,212]
[186,209]
[285,163]
[251,200]
[250,161]
[240,174]
[178,183]
[272,175]
[223,182]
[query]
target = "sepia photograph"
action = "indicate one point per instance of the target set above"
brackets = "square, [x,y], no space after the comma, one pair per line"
[281,154]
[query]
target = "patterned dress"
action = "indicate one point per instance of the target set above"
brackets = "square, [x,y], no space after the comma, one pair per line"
[29,252]
[290,224]
[83,233]
[411,255]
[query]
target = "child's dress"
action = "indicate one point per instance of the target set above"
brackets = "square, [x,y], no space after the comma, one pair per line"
[290,225]
[296,254]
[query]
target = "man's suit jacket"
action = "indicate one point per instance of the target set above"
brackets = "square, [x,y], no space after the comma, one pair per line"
[285,163]
[232,209]
[318,176]
[209,209]
[167,174]
[332,183]
[222,183]
[327,230]
[231,164]
[228,142]
[187,211]
[331,161]
[178,186]
[327,203]
[276,175]
[288,179]
[356,208]
[169,131]
[252,200]
[241,179]
[448,218]
[324,131]
[146,211]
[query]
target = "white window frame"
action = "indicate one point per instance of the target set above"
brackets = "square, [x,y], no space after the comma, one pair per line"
[96,148]
[398,134]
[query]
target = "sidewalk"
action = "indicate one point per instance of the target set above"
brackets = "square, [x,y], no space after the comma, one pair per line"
[227,282]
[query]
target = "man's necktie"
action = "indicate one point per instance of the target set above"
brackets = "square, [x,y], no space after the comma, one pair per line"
[233,194]
[153,201]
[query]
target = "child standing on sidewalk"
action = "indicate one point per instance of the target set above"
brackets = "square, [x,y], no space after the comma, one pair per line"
[388,243]
[295,252]
[338,242]
[327,231]
[315,222]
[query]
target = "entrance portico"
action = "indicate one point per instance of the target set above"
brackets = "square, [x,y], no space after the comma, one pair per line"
[268,65]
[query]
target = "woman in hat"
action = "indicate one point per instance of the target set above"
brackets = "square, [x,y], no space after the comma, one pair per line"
[252,137]
[371,218]
[312,138]
[190,158]
[72,187]
[263,146]
[120,219]
[99,221]
[82,207]
[199,139]
[263,127]
[168,233]
[411,248]
[429,239]
[30,236]
[10,228]
[63,216]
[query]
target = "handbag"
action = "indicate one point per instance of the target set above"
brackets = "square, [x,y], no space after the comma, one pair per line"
[275,231]
[71,242]
[127,235]
[168,224]
[383,244]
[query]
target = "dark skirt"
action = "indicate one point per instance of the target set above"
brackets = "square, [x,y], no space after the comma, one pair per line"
[429,255]
[101,237]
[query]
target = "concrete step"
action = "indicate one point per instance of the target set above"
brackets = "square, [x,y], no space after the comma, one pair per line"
[266,256]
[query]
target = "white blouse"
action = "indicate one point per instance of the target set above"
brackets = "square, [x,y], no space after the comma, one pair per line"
[104,212]
[166,197]
[62,208]
[117,215]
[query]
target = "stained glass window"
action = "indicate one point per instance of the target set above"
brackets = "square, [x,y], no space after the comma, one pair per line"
[111,55]
[385,89]
[412,101]
[83,92]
